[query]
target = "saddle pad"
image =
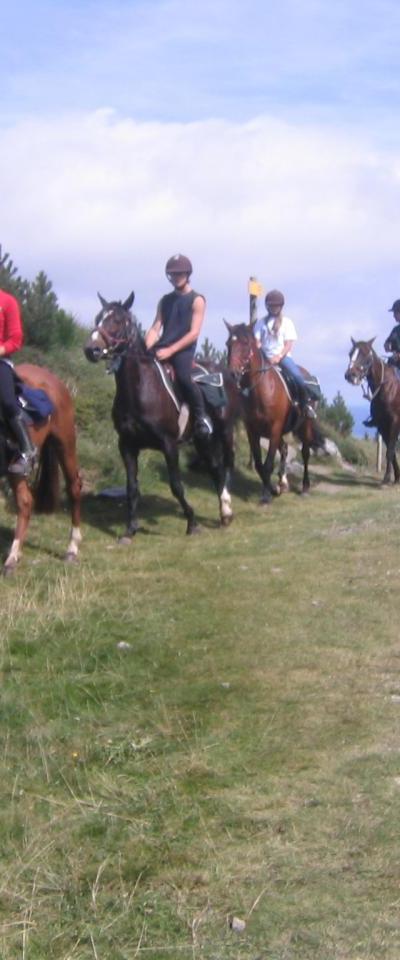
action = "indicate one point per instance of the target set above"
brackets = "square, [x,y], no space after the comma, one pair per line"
[35,402]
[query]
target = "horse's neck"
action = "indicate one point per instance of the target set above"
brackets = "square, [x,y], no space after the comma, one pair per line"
[257,359]
[376,373]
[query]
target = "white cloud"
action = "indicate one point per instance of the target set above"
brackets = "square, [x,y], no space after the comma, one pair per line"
[100,202]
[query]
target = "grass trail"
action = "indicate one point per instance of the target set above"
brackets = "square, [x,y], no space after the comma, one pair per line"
[239,758]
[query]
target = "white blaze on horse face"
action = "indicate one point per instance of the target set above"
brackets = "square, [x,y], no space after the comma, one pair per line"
[95,336]
[353,357]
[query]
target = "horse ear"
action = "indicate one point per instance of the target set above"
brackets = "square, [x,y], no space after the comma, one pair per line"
[370,342]
[102,301]
[128,303]
[353,341]
[228,325]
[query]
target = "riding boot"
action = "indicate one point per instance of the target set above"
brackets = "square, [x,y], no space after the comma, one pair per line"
[370,421]
[202,426]
[25,462]
[305,406]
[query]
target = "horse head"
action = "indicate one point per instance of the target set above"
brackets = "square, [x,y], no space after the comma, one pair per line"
[115,329]
[361,358]
[241,347]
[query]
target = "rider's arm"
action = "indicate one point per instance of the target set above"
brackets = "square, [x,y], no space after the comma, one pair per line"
[154,333]
[199,308]
[13,336]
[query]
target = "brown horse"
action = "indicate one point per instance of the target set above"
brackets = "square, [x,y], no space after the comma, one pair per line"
[146,417]
[384,393]
[56,443]
[268,409]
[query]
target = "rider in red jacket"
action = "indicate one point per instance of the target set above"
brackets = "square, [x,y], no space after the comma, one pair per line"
[11,339]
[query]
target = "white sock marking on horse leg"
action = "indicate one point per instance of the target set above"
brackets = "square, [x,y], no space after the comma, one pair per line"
[75,540]
[225,503]
[14,554]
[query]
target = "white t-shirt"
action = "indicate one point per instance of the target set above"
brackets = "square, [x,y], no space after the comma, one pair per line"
[273,343]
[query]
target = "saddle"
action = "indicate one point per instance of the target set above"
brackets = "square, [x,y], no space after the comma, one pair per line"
[312,385]
[211,384]
[36,407]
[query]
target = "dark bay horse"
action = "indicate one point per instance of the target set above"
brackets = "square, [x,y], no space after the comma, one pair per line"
[268,409]
[55,440]
[384,393]
[146,417]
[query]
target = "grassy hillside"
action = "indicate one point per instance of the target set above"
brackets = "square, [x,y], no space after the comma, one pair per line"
[201,729]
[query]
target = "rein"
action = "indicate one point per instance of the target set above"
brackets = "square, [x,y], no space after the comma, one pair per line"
[367,393]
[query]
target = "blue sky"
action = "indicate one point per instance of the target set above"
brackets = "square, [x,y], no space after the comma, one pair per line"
[257,138]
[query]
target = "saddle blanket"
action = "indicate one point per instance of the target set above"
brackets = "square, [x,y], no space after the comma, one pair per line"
[211,384]
[34,402]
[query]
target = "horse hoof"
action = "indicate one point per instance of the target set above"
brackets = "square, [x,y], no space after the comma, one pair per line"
[8,571]
[71,558]
[264,502]
[196,528]
[304,493]
[125,540]
[226,522]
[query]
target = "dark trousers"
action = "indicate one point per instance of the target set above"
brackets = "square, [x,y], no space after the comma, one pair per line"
[8,400]
[182,364]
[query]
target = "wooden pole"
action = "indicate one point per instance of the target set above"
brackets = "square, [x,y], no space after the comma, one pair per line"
[253,283]
[378,453]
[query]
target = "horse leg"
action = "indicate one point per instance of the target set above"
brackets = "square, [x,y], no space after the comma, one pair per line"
[130,457]
[283,480]
[73,482]
[389,438]
[24,503]
[175,481]
[396,469]
[218,455]
[305,453]
[268,489]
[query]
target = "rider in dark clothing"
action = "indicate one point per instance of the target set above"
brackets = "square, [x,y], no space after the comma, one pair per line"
[391,345]
[174,336]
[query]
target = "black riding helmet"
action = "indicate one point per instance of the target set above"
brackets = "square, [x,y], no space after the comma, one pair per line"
[178,264]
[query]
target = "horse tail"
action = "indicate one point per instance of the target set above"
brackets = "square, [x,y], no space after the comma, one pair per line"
[47,488]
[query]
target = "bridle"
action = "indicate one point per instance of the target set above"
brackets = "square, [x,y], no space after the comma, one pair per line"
[361,369]
[115,343]
[244,368]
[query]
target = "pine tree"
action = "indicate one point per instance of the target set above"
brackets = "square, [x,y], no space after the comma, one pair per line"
[338,415]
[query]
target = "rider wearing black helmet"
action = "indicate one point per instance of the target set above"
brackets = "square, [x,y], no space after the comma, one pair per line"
[391,345]
[175,332]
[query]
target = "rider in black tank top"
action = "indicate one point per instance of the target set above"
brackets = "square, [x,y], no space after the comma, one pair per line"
[174,336]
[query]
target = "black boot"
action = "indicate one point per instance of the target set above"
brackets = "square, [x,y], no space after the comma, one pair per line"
[370,422]
[304,401]
[202,425]
[25,462]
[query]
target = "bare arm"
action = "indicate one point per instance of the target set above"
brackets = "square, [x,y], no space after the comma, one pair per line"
[279,356]
[154,333]
[199,309]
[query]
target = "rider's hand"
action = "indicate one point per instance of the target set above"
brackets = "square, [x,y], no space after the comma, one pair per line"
[164,353]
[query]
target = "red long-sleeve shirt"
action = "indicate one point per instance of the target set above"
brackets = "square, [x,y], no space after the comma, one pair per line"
[11,334]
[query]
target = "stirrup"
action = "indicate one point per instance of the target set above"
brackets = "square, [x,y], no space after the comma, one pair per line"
[369,422]
[203,427]
[23,465]
[309,412]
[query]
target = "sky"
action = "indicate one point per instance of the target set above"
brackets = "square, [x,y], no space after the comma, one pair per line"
[258,139]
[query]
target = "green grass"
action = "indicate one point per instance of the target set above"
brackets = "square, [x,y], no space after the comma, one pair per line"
[240,758]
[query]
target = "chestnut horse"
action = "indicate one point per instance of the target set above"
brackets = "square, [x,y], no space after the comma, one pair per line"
[384,393]
[56,444]
[146,417]
[268,409]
